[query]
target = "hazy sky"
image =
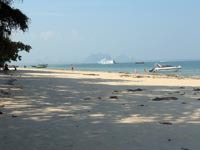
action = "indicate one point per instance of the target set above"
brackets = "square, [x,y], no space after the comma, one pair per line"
[67,31]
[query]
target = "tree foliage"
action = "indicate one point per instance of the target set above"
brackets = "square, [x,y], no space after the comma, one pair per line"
[11,19]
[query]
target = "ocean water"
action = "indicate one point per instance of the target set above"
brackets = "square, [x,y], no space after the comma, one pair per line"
[189,68]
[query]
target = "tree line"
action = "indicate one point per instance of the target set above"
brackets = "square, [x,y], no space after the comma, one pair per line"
[11,19]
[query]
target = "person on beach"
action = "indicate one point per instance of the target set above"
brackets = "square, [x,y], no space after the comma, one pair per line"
[145,71]
[5,67]
[72,67]
[135,71]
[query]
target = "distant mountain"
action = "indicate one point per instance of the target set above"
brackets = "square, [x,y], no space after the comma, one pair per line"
[94,58]
[123,59]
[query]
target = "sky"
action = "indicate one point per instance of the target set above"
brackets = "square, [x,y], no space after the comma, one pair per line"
[68,31]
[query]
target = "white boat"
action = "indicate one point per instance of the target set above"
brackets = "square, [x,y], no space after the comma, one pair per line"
[106,61]
[163,68]
[40,66]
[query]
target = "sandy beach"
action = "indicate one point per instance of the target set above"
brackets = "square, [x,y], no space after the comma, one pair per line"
[81,110]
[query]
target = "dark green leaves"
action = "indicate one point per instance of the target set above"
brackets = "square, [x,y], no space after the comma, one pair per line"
[11,19]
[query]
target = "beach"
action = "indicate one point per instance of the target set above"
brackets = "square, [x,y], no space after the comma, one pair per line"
[44,109]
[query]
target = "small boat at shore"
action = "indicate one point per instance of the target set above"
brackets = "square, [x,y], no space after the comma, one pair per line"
[40,66]
[165,68]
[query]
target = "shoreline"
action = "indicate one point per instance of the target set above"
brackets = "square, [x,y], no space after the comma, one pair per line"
[121,72]
[134,79]
[189,69]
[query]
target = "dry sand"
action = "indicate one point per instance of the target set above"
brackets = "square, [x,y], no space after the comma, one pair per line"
[76,110]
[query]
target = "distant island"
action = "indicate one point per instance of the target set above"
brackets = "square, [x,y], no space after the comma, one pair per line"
[95,58]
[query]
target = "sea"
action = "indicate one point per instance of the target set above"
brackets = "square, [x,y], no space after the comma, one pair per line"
[189,68]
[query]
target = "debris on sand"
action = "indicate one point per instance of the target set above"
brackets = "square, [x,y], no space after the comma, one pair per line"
[169,140]
[182,93]
[196,89]
[134,90]
[11,81]
[164,98]
[4,92]
[14,116]
[182,87]
[125,75]
[115,91]
[165,122]
[91,74]
[182,148]
[87,98]
[113,97]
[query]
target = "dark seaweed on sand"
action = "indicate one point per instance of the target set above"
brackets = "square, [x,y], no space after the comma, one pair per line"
[164,98]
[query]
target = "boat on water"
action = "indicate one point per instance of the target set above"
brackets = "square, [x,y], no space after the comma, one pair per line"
[165,68]
[139,62]
[40,66]
[105,61]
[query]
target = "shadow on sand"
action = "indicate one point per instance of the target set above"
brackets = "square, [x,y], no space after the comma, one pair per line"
[48,113]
